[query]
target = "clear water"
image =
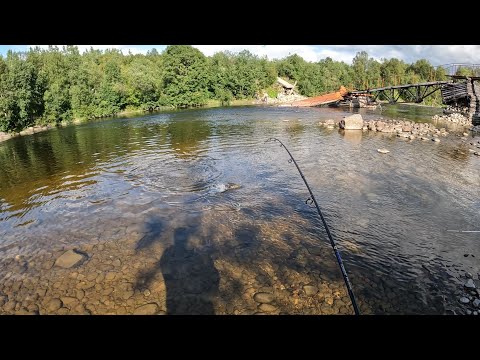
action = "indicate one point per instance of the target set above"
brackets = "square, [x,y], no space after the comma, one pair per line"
[157,184]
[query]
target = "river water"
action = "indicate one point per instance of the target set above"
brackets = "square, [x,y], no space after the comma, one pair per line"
[146,201]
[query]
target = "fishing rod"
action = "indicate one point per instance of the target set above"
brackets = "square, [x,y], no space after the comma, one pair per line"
[309,201]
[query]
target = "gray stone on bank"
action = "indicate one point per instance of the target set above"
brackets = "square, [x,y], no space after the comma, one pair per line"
[476,303]
[70,259]
[464,300]
[263,297]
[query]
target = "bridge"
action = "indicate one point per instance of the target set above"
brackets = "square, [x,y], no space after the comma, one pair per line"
[409,93]
[460,91]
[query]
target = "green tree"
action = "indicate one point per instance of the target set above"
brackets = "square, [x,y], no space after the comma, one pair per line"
[184,76]
[19,103]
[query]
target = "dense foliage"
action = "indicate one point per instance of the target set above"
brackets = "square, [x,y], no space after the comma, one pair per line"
[55,85]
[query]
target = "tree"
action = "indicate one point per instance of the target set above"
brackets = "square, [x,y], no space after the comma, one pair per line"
[184,76]
[18,93]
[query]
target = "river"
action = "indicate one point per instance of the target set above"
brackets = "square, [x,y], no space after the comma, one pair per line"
[146,202]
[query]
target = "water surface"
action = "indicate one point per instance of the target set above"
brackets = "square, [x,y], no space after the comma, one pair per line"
[144,199]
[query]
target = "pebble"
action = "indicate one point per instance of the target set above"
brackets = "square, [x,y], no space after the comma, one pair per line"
[147,309]
[267,308]
[310,290]
[383,151]
[469,284]
[70,259]
[263,297]
[476,303]
[67,300]
[54,305]
[464,300]
[110,276]
[80,294]
[117,263]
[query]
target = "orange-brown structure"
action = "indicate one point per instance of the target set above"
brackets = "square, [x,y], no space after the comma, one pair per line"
[323,99]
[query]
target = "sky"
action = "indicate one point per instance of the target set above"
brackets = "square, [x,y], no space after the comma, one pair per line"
[436,54]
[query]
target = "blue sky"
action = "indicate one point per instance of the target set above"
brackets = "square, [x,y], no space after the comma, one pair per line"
[436,54]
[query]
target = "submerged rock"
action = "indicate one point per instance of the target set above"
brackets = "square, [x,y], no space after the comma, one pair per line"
[263,297]
[267,308]
[148,309]
[70,259]
[310,290]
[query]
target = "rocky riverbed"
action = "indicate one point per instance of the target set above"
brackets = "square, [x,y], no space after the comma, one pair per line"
[410,130]
[469,296]
[130,271]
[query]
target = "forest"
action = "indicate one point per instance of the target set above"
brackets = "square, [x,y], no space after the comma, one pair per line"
[57,85]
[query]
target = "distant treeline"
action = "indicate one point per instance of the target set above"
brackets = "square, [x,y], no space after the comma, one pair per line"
[55,85]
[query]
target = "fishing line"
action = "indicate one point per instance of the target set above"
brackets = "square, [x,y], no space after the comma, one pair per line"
[309,201]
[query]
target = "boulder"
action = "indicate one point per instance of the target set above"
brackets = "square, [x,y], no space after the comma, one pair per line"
[352,122]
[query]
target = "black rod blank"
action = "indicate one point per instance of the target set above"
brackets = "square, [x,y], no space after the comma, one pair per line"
[332,242]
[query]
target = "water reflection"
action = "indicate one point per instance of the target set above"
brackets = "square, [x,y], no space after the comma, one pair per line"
[352,136]
[186,137]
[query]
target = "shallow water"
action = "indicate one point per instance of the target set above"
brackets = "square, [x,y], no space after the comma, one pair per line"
[145,200]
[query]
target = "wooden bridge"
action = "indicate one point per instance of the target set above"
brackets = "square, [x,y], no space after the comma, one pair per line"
[460,92]
[409,93]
